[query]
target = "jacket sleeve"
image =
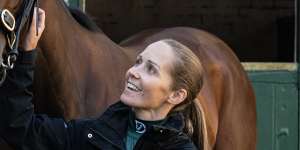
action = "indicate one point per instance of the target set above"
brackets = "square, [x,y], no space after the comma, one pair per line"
[19,126]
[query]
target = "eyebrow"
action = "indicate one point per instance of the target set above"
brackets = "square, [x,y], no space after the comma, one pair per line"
[155,64]
[150,61]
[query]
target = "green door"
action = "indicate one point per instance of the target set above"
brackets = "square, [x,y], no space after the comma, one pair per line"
[276,91]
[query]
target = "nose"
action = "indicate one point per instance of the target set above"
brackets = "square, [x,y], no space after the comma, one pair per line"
[133,72]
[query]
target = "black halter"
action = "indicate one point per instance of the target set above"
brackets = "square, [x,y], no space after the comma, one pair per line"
[12,30]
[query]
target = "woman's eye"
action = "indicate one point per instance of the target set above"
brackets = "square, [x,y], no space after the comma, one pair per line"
[151,69]
[138,61]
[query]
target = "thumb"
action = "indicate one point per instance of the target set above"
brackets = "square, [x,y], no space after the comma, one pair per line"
[41,20]
[33,21]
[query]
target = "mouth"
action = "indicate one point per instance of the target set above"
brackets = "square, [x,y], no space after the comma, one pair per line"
[133,87]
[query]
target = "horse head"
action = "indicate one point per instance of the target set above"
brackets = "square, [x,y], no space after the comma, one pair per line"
[14,16]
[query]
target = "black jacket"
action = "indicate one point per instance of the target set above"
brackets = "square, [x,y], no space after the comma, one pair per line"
[23,129]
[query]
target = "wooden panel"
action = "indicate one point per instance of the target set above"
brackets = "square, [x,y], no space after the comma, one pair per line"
[273,66]
[286,117]
[265,111]
[277,109]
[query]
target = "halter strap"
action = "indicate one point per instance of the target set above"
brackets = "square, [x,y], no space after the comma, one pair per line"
[26,13]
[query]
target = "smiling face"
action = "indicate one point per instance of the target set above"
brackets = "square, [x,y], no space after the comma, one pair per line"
[148,81]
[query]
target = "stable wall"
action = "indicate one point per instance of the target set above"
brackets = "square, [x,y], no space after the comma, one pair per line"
[257,30]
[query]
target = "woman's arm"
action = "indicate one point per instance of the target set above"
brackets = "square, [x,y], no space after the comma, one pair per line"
[19,126]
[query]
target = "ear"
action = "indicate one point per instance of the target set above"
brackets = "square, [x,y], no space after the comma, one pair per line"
[178,96]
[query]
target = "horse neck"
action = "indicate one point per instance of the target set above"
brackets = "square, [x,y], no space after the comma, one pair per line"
[77,58]
[61,27]
[66,40]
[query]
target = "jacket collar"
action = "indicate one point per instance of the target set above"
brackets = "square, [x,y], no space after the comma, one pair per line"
[116,117]
[112,125]
[175,121]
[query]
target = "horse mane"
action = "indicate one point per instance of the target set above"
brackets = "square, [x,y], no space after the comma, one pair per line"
[84,20]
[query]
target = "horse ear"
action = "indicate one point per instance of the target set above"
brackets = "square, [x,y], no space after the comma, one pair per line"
[178,96]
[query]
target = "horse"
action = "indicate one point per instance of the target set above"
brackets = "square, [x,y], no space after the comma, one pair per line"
[80,72]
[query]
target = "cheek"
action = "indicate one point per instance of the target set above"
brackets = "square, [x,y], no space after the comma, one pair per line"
[156,90]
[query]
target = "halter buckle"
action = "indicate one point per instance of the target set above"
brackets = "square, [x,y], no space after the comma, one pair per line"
[8,20]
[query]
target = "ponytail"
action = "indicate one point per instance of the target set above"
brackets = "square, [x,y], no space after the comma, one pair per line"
[195,124]
[187,73]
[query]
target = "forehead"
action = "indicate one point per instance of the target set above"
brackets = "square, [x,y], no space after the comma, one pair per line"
[159,52]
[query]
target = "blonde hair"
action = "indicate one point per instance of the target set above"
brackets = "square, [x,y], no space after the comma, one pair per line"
[187,73]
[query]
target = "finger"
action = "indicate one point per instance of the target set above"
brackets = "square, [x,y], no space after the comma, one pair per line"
[41,14]
[41,21]
[33,22]
[41,11]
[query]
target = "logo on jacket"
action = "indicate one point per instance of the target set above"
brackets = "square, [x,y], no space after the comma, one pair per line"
[140,127]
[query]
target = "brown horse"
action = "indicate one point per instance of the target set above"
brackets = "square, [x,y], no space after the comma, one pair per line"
[80,72]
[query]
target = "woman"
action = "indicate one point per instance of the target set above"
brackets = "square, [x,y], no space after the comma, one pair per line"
[158,109]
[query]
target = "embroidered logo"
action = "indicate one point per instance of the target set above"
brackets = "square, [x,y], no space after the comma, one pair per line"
[140,127]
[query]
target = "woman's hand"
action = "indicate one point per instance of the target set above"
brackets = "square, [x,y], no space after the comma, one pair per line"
[32,38]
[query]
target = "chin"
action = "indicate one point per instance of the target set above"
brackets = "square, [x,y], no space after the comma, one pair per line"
[126,100]
[129,101]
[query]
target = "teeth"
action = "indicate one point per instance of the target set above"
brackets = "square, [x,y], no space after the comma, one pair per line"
[132,87]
